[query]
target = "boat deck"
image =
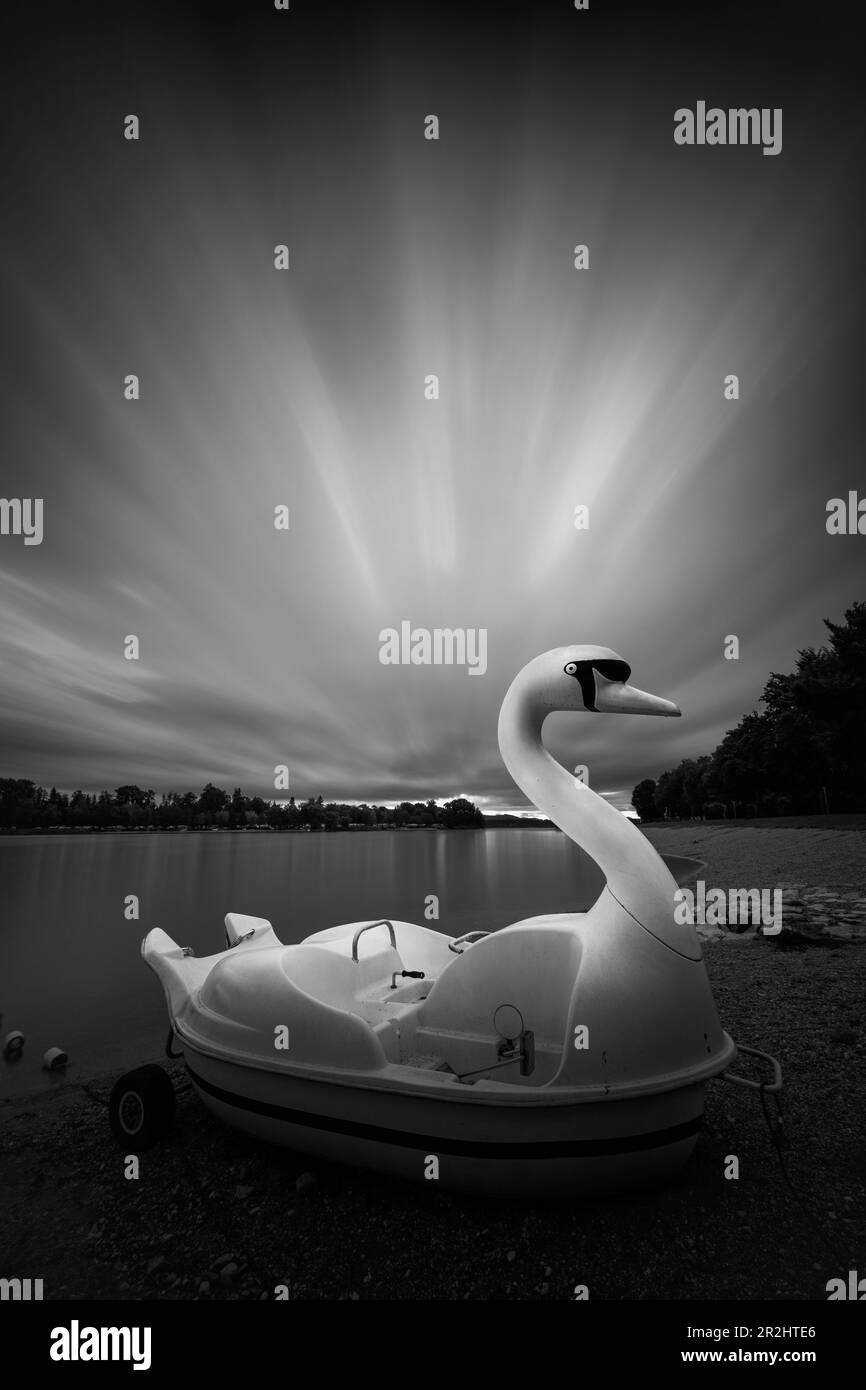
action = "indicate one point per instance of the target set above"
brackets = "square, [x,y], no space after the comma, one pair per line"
[426,1061]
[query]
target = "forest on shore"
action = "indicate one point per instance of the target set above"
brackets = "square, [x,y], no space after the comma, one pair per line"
[26,807]
[803,753]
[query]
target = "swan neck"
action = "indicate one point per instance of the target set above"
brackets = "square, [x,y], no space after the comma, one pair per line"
[627,859]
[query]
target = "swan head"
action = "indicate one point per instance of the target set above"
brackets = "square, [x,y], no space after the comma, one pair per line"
[596,679]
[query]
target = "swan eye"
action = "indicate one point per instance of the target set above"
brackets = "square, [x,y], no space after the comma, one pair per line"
[571,668]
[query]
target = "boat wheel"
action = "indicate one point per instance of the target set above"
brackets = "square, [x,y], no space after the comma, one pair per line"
[141,1107]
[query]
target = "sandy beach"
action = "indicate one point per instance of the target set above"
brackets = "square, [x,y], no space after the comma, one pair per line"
[216,1216]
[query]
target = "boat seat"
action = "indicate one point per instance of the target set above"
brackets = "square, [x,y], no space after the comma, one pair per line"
[341,1011]
[531,967]
[357,986]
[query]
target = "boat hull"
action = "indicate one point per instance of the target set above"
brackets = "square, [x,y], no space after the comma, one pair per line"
[539,1150]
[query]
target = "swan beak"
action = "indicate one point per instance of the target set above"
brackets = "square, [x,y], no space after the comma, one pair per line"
[615,697]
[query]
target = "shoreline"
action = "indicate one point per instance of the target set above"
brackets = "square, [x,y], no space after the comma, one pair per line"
[209,1199]
[854,821]
[218,1216]
[830,857]
[54,830]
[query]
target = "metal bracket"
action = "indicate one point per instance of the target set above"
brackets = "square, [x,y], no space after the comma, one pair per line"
[246,936]
[459,944]
[769,1087]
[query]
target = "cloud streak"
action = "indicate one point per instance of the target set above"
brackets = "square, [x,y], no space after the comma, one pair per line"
[259,388]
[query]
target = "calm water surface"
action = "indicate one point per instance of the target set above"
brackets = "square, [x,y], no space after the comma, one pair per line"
[70,970]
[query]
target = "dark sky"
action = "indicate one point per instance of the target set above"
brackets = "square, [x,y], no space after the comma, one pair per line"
[408,257]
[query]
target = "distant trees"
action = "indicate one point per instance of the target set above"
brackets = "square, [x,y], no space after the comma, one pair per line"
[805,751]
[461,812]
[24,806]
[644,799]
[25,802]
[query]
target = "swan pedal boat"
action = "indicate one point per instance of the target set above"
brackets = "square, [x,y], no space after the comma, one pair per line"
[392,1078]
[564,1055]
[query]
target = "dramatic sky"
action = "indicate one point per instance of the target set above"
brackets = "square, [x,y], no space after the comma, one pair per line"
[558,387]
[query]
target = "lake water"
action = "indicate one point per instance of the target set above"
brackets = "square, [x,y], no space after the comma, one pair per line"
[70,970]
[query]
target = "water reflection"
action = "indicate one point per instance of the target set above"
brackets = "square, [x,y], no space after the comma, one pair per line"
[70,969]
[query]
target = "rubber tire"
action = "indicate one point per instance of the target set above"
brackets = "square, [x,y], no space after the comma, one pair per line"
[153,1092]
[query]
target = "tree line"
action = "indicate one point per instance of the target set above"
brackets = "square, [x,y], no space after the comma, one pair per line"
[25,806]
[803,753]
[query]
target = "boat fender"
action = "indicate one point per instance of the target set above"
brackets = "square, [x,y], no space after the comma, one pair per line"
[55,1059]
[13,1045]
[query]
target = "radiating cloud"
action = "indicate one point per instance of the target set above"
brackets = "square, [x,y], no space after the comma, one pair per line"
[258,388]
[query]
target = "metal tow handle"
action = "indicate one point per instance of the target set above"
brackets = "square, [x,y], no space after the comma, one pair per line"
[770,1087]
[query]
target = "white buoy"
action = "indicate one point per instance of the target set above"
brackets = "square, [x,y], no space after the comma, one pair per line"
[13,1045]
[55,1059]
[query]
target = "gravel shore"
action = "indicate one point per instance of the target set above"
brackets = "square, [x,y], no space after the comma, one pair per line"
[214,1215]
[752,856]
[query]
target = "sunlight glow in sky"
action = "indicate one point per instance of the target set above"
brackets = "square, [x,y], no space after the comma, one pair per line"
[558,387]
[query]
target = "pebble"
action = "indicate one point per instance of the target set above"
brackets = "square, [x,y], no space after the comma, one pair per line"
[824,911]
[306,1182]
[155,1263]
[228,1272]
[812,999]
[223,1260]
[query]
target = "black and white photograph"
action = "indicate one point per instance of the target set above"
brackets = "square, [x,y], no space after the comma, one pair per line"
[432,672]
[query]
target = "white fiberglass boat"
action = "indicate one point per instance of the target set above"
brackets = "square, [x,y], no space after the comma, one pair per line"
[563,1055]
